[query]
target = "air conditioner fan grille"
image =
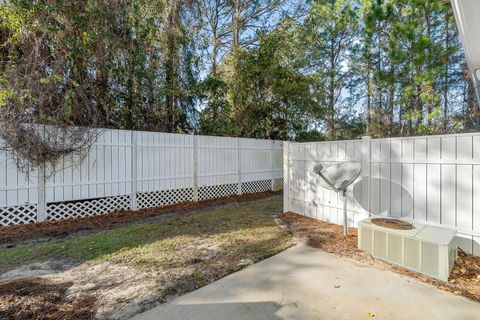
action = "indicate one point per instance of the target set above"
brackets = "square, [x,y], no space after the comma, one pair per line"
[393,224]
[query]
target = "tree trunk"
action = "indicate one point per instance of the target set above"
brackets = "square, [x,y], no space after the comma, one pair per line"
[391,89]
[419,104]
[369,97]
[379,112]
[236,24]
[445,87]
[214,58]
[102,83]
[331,92]
[470,111]
[391,99]
[171,65]
[432,100]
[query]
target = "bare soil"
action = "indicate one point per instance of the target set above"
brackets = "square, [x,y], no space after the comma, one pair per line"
[464,279]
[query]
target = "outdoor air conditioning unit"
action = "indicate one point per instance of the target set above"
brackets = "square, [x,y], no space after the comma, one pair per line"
[422,248]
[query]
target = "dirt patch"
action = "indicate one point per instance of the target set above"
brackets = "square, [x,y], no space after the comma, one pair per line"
[43,231]
[37,269]
[33,298]
[119,290]
[464,279]
[105,290]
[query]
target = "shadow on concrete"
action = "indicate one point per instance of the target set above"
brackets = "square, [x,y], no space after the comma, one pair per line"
[218,311]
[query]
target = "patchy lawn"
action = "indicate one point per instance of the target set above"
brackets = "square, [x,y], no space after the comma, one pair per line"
[121,272]
[47,230]
[464,279]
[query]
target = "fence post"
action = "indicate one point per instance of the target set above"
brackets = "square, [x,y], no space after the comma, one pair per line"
[42,202]
[195,167]
[366,166]
[272,169]
[286,175]
[239,187]
[133,157]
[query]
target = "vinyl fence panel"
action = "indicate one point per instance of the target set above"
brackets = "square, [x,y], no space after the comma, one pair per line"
[18,193]
[135,170]
[433,179]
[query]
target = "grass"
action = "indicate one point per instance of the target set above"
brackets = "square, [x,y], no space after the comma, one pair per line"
[120,272]
[246,231]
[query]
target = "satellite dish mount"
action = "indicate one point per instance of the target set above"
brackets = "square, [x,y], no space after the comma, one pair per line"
[337,178]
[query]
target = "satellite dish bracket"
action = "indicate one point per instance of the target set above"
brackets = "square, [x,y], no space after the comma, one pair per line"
[319,170]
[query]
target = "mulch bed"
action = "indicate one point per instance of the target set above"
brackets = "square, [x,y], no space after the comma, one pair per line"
[464,279]
[34,298]
[47,230]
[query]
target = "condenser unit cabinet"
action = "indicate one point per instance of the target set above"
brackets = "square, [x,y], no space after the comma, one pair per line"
[426,249]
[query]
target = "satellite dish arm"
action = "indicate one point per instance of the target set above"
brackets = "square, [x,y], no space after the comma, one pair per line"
[328,182]
[318,170]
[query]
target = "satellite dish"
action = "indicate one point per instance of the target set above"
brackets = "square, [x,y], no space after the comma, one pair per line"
[337,178]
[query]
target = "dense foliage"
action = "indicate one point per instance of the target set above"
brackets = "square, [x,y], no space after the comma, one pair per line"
[283,69]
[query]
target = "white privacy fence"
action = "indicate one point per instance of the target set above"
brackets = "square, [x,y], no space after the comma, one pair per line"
[135,170]
[434,179]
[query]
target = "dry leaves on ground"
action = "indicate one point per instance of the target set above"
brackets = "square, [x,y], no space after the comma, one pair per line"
[464,279]
[30,298]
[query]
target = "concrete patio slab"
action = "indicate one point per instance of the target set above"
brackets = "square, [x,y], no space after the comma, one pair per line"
[307,283]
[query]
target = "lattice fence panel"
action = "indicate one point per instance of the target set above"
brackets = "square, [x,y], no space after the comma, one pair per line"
[163,197]
[278,184]
[18,215]
[87,208]
[257,186]
[218,191]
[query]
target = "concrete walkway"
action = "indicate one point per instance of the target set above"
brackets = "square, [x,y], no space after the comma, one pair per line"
[307,283]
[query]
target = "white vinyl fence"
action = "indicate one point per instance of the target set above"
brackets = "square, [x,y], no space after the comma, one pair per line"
[434,179]
[135,170]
